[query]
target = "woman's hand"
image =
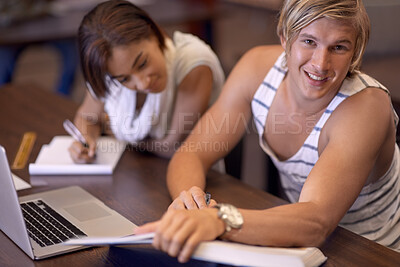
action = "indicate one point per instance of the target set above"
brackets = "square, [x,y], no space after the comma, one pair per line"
[81,154]
[194,198]
[180,231]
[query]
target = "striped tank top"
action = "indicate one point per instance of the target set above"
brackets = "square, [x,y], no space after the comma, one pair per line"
[376,212]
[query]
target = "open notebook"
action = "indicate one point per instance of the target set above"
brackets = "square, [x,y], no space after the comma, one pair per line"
[226,252]
[54,158]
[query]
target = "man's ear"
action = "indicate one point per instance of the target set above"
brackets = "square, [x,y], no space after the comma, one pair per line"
[283,41]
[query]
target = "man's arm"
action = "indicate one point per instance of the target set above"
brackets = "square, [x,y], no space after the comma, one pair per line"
[219,129]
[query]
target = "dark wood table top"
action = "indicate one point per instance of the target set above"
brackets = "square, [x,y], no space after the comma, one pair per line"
[137,190]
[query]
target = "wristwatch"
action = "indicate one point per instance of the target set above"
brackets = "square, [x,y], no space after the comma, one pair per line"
[230,215]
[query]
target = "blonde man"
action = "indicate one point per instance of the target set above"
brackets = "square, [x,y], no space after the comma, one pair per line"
[329,129]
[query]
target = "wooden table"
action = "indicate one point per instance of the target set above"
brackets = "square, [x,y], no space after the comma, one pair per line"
[137,190]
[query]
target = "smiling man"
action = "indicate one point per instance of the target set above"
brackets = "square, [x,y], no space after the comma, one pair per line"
[329,129]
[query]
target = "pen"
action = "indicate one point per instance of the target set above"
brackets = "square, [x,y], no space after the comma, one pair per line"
[74,132]
[207,198]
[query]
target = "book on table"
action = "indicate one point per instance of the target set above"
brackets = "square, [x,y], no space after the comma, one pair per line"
[54,158]
[225,252]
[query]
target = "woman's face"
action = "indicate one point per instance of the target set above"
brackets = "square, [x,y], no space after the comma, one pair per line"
[320,57]
[139,66]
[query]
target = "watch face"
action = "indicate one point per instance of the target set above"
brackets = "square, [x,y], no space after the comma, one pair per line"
[231,216]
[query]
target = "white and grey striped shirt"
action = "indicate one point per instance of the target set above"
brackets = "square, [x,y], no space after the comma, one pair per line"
[376,212]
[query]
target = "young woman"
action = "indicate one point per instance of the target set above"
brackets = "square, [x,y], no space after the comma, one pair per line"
[329,129]
[152,88]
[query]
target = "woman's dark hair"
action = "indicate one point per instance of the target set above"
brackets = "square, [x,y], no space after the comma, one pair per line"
[110,24]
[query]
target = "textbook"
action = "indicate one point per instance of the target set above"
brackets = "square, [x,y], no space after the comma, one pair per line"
[224,252]
[54,158]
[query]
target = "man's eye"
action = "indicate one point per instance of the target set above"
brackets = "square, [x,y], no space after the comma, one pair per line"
[340,47]
[309,42]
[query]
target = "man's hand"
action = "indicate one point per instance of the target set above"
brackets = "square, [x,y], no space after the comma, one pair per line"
[194,198]
[180,231]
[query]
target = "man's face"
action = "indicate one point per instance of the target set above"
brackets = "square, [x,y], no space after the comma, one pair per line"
[320,57]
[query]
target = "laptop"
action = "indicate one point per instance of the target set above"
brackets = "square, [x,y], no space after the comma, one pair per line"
[40,223]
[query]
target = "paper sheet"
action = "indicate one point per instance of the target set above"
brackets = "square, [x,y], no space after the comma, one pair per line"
[54,158]
[20,183]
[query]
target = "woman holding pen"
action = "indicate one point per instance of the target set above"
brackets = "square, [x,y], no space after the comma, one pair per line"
[152,87]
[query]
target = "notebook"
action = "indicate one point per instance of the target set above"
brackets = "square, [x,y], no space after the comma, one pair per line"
[71,210]
[54,158]
[225,252]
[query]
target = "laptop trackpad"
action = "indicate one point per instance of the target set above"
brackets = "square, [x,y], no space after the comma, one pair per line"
[87,211]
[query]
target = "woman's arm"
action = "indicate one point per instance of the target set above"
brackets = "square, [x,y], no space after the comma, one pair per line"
[192,99]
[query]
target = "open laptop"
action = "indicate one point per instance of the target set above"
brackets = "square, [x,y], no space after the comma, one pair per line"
[72,210]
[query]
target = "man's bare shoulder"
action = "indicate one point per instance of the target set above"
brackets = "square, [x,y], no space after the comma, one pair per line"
[376,112]
[263,57]
[253,67]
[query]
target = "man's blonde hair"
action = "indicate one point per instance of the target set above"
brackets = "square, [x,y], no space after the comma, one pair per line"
[297,14]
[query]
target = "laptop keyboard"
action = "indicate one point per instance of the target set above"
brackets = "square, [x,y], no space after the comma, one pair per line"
[46,226]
